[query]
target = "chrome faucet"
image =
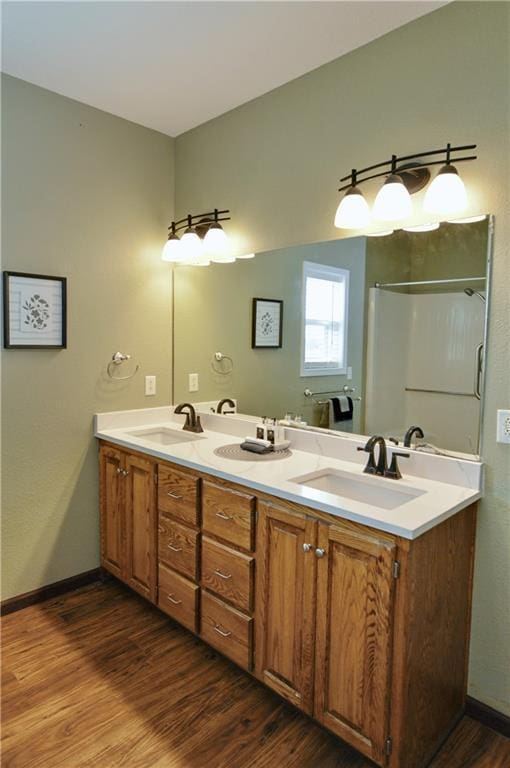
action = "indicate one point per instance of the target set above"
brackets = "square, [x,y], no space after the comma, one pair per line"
[225,401]
[192,423]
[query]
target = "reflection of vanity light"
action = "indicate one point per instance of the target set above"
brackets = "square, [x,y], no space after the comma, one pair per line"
[423,227]
[246,256]
[353,211]
[393,201]
[380,234]
[468,219]
[447,193]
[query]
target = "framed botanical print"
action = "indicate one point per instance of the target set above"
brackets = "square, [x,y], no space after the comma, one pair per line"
[267,325]
[35,311]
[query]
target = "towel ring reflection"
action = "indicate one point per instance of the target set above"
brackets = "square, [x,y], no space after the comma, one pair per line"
[218,357]
[117,359]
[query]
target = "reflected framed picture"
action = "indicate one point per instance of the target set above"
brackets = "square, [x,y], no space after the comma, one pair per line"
[35,311]
[267,324]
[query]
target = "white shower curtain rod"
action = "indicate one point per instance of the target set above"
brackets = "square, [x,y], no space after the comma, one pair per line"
[430,282]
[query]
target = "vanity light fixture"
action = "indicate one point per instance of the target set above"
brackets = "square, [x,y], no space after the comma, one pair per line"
[468,219]
[384,233]
[406,175]
[203,240]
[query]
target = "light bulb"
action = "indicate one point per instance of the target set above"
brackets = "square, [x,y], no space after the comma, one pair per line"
[217,246]
[393,201]
[173,250]
[447,193]
[423,227]
[353,211]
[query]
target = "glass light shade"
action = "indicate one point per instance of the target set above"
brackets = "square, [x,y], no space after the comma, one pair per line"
[353,211]
[393,201]
[173,250]
[217,246]
[384,233]
[194,249]
[447,193]
[423,227]
[246,256]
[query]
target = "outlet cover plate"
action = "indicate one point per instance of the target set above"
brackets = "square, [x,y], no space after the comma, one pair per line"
[193,382]
[503,430]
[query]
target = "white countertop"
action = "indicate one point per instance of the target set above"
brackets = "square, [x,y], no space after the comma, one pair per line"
[446,485]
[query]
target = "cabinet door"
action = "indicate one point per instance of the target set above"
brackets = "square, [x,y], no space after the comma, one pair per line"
[140,507]
[285,603]
[354,629]
[112,517]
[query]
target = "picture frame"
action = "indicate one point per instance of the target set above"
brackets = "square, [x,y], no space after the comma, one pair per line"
[267,323]
[35,311]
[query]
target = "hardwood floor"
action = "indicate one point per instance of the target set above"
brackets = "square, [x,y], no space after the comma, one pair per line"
[98,679]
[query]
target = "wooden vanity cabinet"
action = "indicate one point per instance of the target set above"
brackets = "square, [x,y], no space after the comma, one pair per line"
[364,631]
[128,519]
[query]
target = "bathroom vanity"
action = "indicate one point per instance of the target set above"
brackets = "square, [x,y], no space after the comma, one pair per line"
[358,616]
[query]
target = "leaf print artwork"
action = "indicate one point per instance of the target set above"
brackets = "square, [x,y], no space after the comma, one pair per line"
[267,324]
[36,312]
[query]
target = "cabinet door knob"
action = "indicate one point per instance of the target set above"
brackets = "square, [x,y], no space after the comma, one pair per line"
[307,547]
[125,472]
[119,471]
[319,552]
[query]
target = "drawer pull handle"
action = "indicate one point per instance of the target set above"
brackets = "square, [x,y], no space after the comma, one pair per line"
[173,600]
[223,575]
[221,632]
[223,516]
[174,549]
[173,495]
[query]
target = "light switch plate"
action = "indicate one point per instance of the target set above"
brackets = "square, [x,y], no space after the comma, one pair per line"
[503,428]
[193,382]
[150,385]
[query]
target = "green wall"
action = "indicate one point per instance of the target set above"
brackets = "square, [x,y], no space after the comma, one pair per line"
[85,195]
[276,161]
[213,311]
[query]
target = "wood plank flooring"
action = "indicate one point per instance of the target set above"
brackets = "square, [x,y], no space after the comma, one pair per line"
[98,679]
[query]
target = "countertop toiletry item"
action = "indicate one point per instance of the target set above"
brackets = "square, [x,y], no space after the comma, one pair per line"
[258,441]
[261,429]
[256,447]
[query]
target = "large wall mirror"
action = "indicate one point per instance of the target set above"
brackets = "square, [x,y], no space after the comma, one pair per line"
[396,323]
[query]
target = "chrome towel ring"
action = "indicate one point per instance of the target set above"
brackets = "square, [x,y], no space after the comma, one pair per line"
[218,357]
[117,359]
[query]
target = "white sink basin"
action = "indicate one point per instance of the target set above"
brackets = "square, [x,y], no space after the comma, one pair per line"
[379,492]
[165,435]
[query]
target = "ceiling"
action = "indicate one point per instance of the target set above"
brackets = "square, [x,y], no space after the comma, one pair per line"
[174,65]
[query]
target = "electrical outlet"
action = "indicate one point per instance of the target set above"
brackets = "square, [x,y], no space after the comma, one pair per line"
[503,431]
[150,385]
[193,382]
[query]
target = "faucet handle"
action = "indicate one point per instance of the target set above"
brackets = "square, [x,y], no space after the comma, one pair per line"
[394,471]
[370,468]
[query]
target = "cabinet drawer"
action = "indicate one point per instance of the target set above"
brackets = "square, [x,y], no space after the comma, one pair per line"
[227,630]
[229,514]
[177,546]
[178,494]
[178,597]
[228,573]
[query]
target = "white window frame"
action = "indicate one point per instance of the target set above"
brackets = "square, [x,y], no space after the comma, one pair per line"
[336,274]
